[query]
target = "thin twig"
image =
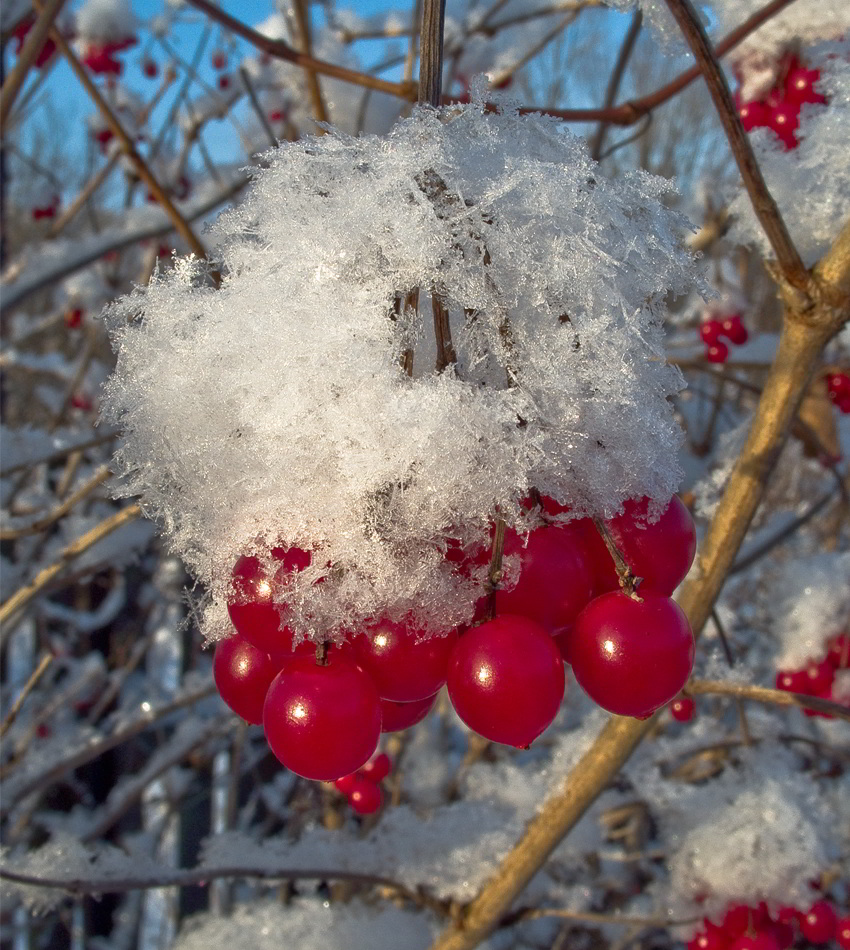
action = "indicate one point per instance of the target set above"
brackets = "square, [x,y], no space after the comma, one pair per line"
[302,17]
[255,105]
[629,582]
[766,209]
[22,597]
[764,694]
[30,684]
[33,45]
[616,79]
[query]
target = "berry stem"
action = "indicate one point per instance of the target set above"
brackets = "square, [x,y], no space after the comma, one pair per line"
[322,653]
[629,582]
[494,575]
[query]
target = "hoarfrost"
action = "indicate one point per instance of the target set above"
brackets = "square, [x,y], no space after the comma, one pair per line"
[275,409]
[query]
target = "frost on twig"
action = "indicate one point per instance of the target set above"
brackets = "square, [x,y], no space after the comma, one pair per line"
[276,409]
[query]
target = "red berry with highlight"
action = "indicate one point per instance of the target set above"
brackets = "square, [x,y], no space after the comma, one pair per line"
[734,329]
[717,353]
[838,651]
[710,331]
[377,769]
[398,716]
[322,722]
[402,667]
[800,85]
[819,923]
[842,933]
[683,708]
[346,783]
[242,675]
[365,797]
[506,679]
[792,681]
[631,657]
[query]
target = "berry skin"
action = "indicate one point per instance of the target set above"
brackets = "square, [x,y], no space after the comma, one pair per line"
[346,783]
[224,82]
[838,651]
[251,607]
[753,114]
[398,716]
[717,353]
[844,404]
[506,679]
[710,331]
[758,941]
[242,675]
[792,681]
[150,68]
[734,329]
[322,722]
[563,641]
[800,85]
[838,385]
[74,318]
[401,668]
[819,678]
[555,581]
[365,797]
[709,939]
[683,708]
[819,922]
[842,933]
[783,119]
[377,769]
[631,657]
[660,553]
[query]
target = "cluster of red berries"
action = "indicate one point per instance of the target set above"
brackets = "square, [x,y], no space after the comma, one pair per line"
[20,32]
[753,928]
[779,110]
[323,714]
[838,387]
[100,57]
[817,677]
[712,329]
[363,787]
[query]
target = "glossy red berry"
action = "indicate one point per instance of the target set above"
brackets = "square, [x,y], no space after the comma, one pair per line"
[252,605]
[402,667]
[783,119]
[346,783]
[792,681]
[819,923]
[838,651]
[734,329]
[377,769]
[365,797]
[398,716]
[555,580]
[717,353]
[838,384]
[842,933]
[709,939]
[762,940]
[819,677]
[322,722]
[506,679]
[242,675]
[683,708]
[710,331]
[753,114]
[660,552]
[800,85]
[631,657]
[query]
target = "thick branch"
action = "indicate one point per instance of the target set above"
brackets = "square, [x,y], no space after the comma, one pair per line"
[302,15]
[431,52]
[764,206]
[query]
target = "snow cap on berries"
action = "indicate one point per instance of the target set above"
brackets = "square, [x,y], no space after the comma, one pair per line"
[275,409]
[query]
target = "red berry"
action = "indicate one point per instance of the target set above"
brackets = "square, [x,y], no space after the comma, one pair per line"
[631,657]
[81,401]
[73,318]
[783,119]
[734,329]
[322,722]
[709,939]
[224,82]
[377,769]
[782,933]
[842,933]
[563,640]
[683,708]
[219,59]
[838,384]
[819,678]
[506,679]
[252,608]
[792,681]
[753,114]
[242,675]
[398,716]
[661,553]
[844,404]
[403,668]
[758,941]
[838,651]
[365,797]
[710,331]
[717,353]
[555,580]
[346,783]
[740,918]
[819,922]
[150,68]
[800,85]
[788,915]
